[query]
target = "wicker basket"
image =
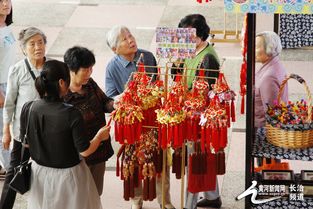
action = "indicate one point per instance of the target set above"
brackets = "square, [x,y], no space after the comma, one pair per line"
[291,138]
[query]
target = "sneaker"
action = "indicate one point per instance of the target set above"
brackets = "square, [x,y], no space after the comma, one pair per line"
[205,203]
[136,207]
[168,206]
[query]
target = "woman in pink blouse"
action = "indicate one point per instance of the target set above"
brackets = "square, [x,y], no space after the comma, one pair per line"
[270,76]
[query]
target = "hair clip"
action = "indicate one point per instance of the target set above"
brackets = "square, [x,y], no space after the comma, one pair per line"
[43,77]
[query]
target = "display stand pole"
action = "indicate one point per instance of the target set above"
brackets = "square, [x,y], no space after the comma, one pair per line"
[250,102]
[276,23]
[183,155]
[165,150]
[224,25]
[236,33]
[182,188]
[163,176]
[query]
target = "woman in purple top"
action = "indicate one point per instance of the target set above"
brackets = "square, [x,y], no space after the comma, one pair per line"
[270,76]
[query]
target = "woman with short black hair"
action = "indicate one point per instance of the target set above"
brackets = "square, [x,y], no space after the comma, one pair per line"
[90,100]
[77,57]
[198,22]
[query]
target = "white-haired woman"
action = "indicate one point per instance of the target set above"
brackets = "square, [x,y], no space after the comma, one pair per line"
[270,76]
[20,89]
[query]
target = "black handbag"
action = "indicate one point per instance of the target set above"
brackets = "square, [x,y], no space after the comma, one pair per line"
[21,180]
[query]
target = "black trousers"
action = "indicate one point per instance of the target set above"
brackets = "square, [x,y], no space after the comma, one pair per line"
[8,195]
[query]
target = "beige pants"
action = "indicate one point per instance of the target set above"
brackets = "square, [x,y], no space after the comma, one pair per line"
[137,200]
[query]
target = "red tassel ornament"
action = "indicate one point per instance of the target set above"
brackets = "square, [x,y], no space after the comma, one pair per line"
[243,71]
[177,160]
[208,137]
[121,152]
[145,191]
[141,97]
[203,141]
[223,137]
[172,114]
[126,189]
[214,119]
[131,187]
[152,182]
[176,139]
[227,108]
[127,118]
[233,113]
[221,167]
[145,174]
[225,96]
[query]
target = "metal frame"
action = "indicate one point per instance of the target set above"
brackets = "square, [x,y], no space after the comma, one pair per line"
[250,133]
[229,36]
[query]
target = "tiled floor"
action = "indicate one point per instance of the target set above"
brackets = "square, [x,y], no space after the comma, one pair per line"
[85,22]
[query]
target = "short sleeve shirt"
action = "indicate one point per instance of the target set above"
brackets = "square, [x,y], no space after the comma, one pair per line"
[56,133]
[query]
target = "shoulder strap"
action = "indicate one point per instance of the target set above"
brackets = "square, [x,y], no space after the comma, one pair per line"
[28,119]
[29,69]
[26,133]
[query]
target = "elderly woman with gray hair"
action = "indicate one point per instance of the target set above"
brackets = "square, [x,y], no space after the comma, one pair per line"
[270,76]
[20,89]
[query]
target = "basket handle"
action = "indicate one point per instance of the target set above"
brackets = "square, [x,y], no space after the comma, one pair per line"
[302,81]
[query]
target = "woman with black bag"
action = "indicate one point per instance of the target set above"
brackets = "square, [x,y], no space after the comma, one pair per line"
[20,89]
[90,100]
[56,137]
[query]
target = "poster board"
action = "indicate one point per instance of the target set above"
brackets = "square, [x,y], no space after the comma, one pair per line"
[178,43]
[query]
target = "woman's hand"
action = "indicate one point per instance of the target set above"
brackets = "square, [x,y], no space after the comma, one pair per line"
[2,98]
[6,138]
[103,133]
[117,99]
